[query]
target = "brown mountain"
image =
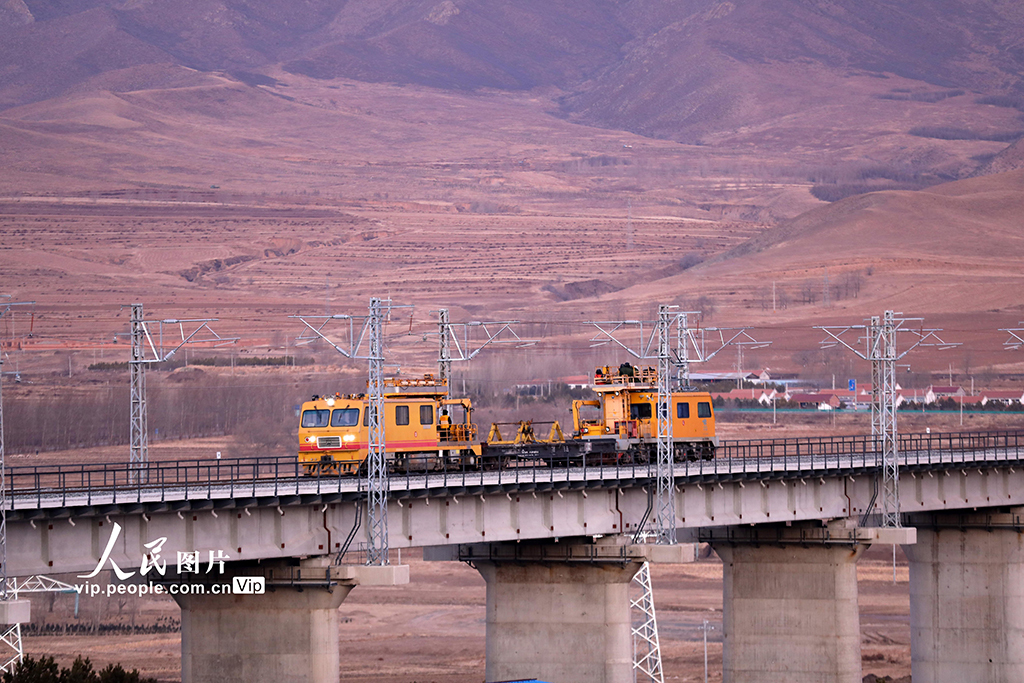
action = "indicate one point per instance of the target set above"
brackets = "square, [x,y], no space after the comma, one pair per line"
[680,70]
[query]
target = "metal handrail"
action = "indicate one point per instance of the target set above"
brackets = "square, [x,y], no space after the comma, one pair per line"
[103,483]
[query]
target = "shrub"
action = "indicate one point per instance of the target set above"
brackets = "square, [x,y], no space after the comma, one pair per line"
[45,670]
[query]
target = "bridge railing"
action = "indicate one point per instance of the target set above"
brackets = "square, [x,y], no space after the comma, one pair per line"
[123,482]
[100,484]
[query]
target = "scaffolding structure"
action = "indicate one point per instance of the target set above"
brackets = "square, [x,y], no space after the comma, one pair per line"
[879,339]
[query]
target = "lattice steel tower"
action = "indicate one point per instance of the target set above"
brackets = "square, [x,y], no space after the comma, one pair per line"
[880,337]
[646,645]
[444,355]
[139,428]
[376,464]
[666,500]
[884,357]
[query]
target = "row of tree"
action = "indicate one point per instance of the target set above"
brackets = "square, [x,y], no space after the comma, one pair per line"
[180,406]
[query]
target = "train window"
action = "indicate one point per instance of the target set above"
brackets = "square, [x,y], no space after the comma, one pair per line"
[401,415]
[683,410]
[345,417]
[640,411]
[366,415]
[703,409]
[315,418]
[426,415]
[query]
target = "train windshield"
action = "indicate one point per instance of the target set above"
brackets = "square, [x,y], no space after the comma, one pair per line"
[345,417]
[315,418]
[703,409]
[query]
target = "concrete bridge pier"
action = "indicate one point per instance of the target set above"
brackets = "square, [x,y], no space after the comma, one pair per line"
[790,601]
[560,611]
[286,634]
[967,598]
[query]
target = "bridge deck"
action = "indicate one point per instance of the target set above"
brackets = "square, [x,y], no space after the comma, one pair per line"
[65,490]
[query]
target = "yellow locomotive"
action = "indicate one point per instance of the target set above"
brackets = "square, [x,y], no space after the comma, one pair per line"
[424,429]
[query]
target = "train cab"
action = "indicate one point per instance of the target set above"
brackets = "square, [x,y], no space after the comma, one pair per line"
[625,411]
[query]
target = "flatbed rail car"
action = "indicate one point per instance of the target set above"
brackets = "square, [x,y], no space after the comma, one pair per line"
[619,426]
[424,429]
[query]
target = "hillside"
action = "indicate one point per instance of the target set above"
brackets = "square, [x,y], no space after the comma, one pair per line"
[951,253]
[236,156]
[680,70]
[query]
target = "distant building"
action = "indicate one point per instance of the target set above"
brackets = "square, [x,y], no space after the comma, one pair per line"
[745,394]
[910,396]
[816,401]
[771,396]
[937,393]
[1006,398]
[971,402]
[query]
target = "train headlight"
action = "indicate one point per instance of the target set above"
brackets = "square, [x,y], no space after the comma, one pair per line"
[330,402]
[348,438]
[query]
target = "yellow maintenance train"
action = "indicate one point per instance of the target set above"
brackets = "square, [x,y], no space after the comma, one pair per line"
[427,430]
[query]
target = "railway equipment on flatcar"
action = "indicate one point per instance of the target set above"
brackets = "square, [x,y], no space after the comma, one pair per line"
[426,430]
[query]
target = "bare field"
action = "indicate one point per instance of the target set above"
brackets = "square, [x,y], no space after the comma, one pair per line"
[252,271]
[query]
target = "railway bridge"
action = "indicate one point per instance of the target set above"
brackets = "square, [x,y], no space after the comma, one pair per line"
[555,544]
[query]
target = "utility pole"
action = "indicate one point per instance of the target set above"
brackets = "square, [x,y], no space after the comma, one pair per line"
[704,343]
[10,633]
[880,338]
[3,493]
[376,466]
[629,225]
[139,428]
[453,348]
[874,330]
[146,351]
[884,355]
[682,350]
[444,351]
[705,628]
[666,512]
